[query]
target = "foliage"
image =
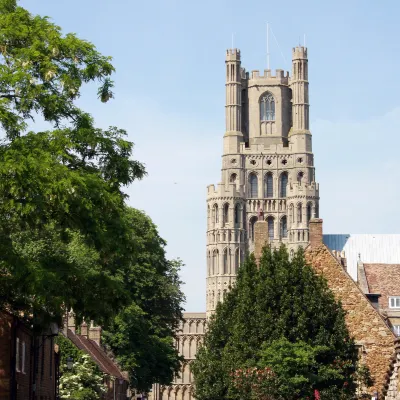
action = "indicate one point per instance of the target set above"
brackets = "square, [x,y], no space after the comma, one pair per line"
[64,238]
[84,381]
[67,238]
[142,333]
[295,325]
[42,70]
[64,242]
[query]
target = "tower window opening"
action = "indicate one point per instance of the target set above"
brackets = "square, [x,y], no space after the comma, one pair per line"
[236,260]
[253,181]
[268,185]
[299,213]
[309,212]
[270,221]
[226,213]
[300,177]
[233,178]
[284,227]
[267,107]
[284,182]
[253,220]
[225,261]
[237,214]
[215,214]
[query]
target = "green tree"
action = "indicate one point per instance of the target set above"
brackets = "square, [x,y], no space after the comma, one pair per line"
[281,316]
[64,240]
[142,333]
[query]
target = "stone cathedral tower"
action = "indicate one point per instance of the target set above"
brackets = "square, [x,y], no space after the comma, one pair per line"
[267,168]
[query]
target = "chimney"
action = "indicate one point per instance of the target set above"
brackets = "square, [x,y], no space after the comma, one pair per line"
[260,238]
[95,333]
[84,329]
[316,232]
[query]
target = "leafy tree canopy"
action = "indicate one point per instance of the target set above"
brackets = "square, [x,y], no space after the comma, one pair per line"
[42,70]
[142,334]
[282,316]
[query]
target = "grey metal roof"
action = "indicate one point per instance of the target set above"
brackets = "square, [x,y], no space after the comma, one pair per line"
[373,249]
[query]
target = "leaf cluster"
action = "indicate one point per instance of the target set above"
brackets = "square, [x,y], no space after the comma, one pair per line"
[42,70]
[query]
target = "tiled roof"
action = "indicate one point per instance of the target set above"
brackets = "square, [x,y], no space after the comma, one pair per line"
[97,354]
[383,279]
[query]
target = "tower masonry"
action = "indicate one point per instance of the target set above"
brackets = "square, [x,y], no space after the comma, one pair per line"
[267,168]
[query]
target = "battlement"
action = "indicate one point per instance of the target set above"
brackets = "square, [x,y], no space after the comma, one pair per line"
[280,75]
[231,190]
[299,52]
[233,55]
[295,189]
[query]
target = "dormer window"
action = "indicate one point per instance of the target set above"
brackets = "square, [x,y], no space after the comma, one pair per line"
[267,107]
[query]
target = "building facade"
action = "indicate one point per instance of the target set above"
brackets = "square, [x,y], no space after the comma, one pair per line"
[267,168]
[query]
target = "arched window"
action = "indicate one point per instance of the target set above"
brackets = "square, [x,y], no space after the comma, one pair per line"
[267,107]
[225,261]
[226,213]
[269,185]
[299,213]
[253,182]
[300,177]
[283,227]
[283,184]
[233,178]
[253,220]
[237,261]
[215,262]
[215,214]
[270,221]
[237,214]
[309,212]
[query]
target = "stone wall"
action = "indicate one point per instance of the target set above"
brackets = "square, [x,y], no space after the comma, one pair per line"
[365,324]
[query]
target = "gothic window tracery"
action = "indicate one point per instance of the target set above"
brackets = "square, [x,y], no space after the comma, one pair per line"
[267,107]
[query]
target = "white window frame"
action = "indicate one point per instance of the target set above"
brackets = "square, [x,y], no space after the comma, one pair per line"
[396,330]
[17,356]
[394,302]
[23,358]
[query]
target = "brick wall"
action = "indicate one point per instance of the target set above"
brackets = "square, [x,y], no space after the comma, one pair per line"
[17,362]
[6,323]
[364,323]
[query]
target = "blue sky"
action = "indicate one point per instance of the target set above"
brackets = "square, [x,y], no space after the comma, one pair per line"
[169,57]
